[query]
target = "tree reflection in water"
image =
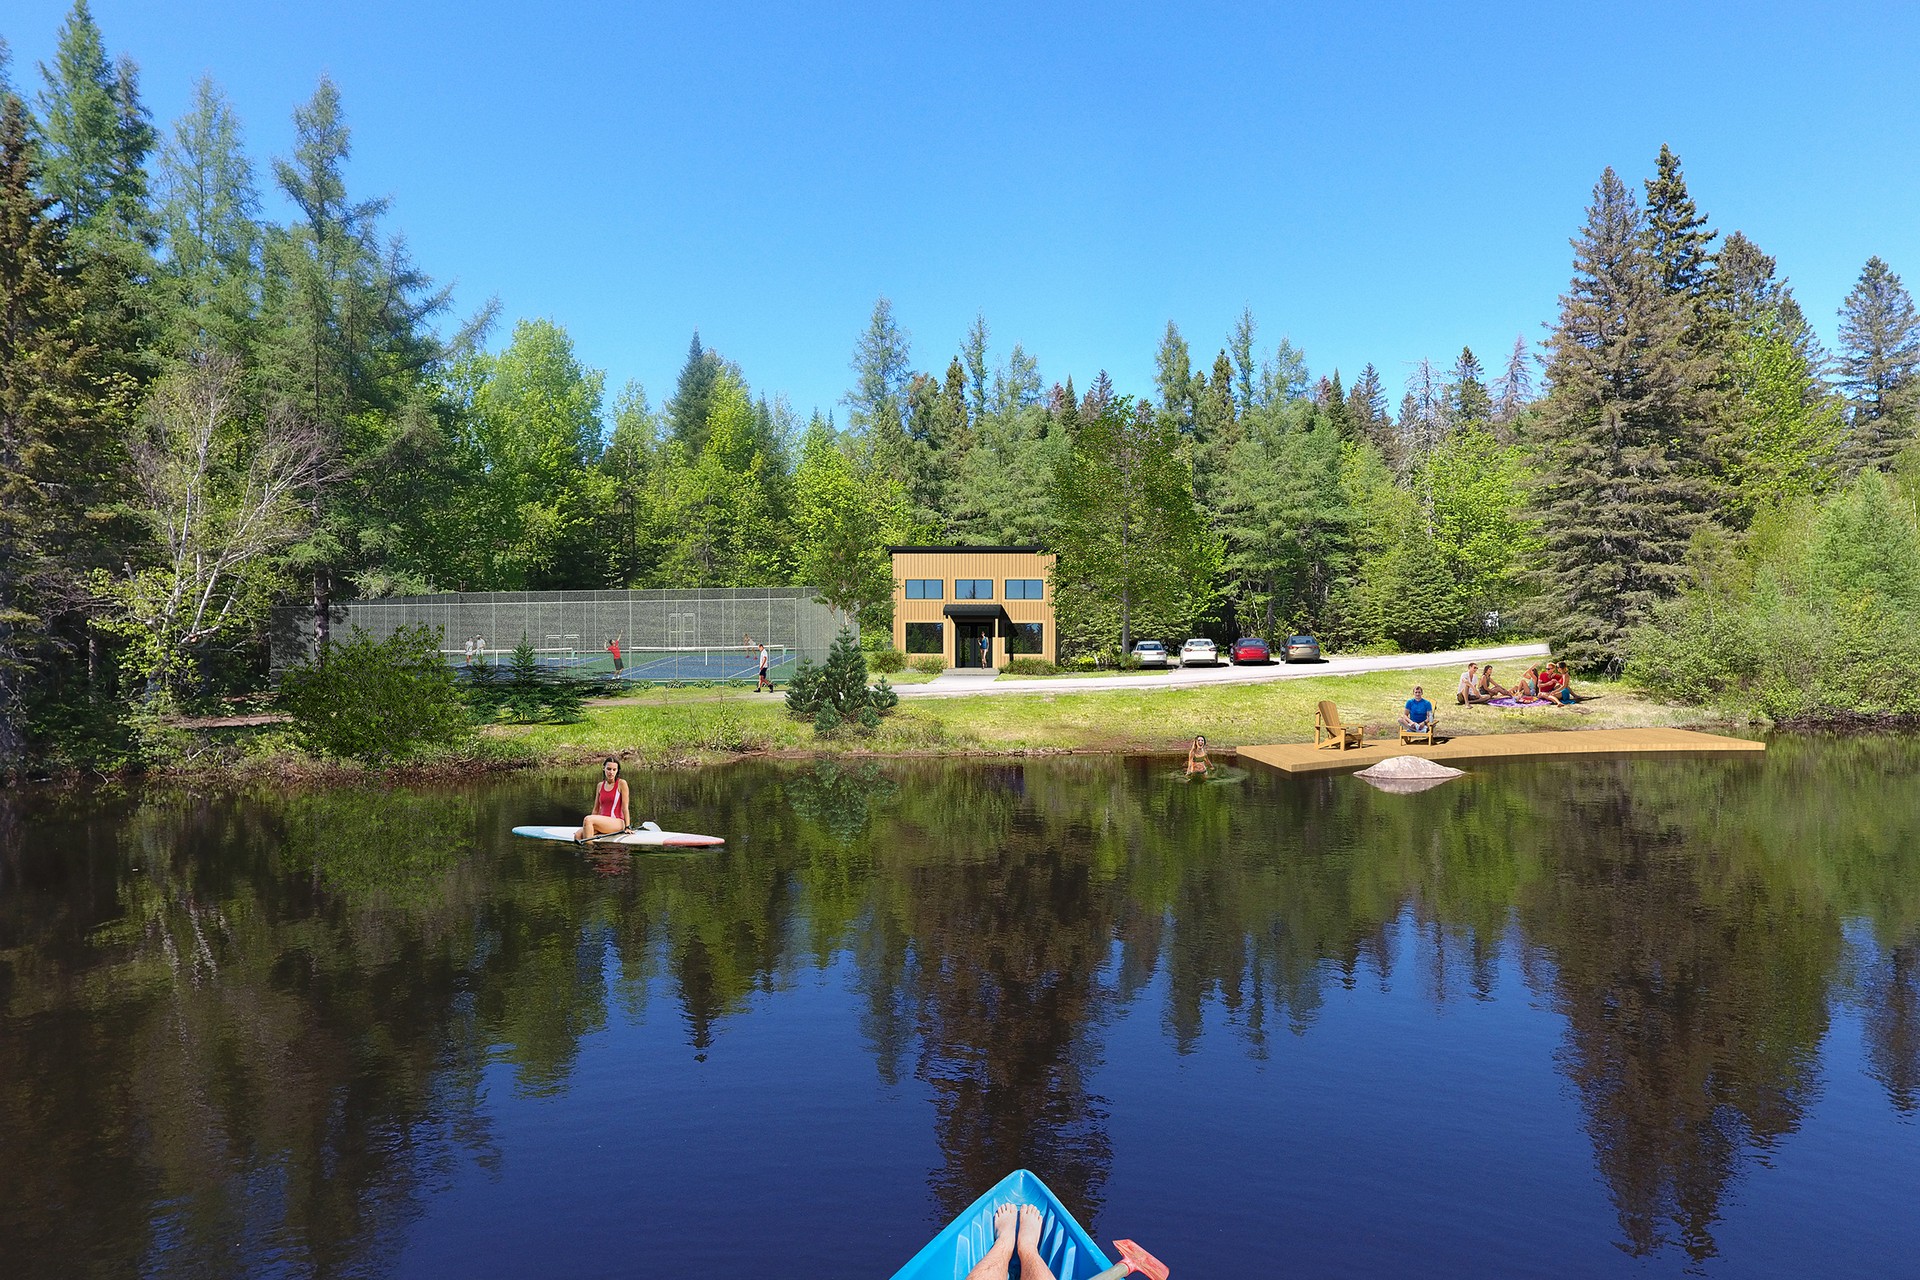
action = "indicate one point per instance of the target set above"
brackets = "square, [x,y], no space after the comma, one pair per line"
[254,1027]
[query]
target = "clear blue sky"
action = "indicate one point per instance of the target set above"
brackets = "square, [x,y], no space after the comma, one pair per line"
[1380,186]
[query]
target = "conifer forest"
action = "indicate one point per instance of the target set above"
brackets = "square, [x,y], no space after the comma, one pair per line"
[205,413]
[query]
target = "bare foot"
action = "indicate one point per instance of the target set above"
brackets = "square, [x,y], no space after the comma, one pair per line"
[1032,1266]
[993,1265]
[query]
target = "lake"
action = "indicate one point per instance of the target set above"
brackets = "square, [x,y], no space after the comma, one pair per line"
[1646,1016]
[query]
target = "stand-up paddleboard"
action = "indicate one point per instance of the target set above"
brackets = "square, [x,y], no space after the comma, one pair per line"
[646,833]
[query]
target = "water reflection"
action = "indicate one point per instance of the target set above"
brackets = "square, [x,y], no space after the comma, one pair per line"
[252,1030]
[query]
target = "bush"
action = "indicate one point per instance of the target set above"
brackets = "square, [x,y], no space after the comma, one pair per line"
[1029,667]
[524,691]
[375,701]
[888,660]
[1814,617]
[837,693]
[931,663]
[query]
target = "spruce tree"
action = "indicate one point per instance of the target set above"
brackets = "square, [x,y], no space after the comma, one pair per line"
[1467,400]
[1616,502]
[693,398]
[61,407]
[973,350]
[1879,359]
[1513,390]
[1677,236]
[1367,411]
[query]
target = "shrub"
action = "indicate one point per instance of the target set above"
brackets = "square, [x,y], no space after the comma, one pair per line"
[524,691]
[931,663]
[887,660]
[375,701]
[837,692]
[1029,667]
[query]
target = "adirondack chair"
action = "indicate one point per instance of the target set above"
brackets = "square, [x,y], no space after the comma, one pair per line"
[1326,724]
[1419,735]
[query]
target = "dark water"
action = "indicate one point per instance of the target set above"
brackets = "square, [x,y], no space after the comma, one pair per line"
[1622,1018]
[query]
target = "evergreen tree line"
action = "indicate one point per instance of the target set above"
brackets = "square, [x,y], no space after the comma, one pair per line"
[204,412]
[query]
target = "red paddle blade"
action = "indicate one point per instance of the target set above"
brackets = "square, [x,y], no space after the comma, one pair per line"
[1140,1260]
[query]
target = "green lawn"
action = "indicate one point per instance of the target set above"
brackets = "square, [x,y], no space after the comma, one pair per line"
[692,725]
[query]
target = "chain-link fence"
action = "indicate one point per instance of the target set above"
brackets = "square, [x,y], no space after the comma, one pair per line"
[706,634]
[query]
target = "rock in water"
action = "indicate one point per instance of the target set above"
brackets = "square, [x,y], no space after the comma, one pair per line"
[1405,775]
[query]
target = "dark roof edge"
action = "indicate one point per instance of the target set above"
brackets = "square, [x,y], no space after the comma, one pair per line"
[974,550]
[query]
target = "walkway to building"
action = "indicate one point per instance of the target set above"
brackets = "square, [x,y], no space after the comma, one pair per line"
[967,683]
[1304,757]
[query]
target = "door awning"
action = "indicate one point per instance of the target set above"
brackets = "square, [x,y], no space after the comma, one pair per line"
[981,612]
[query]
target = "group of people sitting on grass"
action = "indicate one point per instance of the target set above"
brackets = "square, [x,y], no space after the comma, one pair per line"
[1545,684]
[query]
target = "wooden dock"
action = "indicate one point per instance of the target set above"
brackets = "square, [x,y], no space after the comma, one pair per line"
[1304,757]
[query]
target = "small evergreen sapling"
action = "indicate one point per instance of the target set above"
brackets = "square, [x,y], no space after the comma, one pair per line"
[837,693]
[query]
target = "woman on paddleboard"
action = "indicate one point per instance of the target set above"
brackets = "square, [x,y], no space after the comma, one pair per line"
[610,815]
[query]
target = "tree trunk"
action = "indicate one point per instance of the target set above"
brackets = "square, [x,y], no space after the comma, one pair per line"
[322,607]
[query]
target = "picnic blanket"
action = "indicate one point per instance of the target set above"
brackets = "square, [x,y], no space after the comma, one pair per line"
[1515,702]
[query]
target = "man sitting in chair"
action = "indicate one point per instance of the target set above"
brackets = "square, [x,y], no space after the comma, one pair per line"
[1418,717]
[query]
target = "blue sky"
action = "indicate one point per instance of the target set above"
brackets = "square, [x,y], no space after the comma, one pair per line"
[1380,185]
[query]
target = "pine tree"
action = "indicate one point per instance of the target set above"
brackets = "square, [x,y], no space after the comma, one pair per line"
[1879,359]
[1616,501]
[1513,390]
[61,406]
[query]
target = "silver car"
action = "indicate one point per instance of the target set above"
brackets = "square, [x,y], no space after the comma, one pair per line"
[1198,652]
[1150,653]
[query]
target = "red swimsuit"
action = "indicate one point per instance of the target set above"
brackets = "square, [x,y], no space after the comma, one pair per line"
[607,802]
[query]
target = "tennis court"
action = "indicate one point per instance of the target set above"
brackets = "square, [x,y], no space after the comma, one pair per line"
[708,634]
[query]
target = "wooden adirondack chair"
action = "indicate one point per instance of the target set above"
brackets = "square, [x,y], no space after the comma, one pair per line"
[1326,724]
[1419,735]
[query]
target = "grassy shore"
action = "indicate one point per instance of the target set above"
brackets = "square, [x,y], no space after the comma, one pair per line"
[692,726]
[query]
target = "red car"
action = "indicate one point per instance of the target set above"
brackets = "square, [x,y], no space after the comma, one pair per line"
[1250,649]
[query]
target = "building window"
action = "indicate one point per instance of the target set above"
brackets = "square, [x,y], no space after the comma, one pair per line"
[924,637]
[1027,637]
[1026,589]
[973,588]
[926,588]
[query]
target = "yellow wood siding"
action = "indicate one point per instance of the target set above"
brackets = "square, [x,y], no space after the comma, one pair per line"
[966,562]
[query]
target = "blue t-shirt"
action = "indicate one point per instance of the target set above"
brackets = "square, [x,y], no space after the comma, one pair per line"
[1419,710]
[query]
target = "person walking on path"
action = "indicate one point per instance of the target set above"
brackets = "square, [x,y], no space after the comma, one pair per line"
[764,682]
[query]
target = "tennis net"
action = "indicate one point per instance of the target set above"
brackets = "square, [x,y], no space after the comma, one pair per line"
[664,663]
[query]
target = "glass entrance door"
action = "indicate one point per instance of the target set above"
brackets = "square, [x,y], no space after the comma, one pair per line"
[972,644]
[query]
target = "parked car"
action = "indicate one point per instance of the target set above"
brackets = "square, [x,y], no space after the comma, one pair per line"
[1251,649]
[1199,652]
[1150,653]
[1302,649]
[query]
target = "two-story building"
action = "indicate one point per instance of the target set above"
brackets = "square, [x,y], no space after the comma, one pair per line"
[974,606]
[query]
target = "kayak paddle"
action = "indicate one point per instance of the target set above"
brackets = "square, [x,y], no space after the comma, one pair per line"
[1133,1258]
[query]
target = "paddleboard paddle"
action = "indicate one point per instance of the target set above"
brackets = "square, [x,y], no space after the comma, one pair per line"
[1133,1258]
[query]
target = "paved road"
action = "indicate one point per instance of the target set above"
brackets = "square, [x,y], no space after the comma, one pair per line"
[965,684]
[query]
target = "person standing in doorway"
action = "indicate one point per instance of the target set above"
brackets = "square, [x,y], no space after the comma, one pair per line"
[986,651]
